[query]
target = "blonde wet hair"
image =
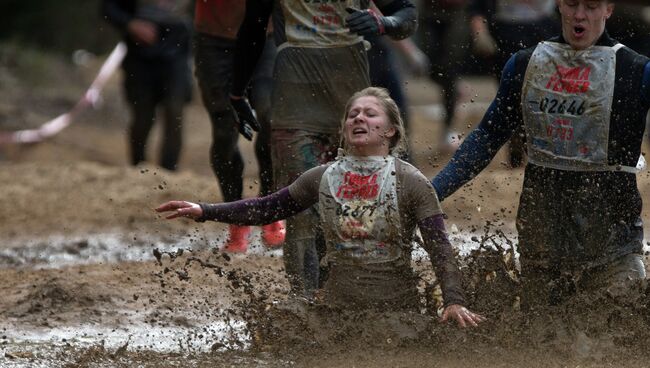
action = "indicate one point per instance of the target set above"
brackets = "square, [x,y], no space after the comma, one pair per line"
[397,143]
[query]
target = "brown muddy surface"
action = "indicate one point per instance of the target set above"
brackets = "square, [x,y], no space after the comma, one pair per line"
[91,277]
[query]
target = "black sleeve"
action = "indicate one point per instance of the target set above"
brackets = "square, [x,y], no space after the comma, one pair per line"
[401,18]
[250,43]
[118,12]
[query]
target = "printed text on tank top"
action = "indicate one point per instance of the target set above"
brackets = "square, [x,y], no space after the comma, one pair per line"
[567,102]
[317,23]
[359,208]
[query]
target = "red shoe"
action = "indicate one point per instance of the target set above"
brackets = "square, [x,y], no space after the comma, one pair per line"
[273,234]
[237,239]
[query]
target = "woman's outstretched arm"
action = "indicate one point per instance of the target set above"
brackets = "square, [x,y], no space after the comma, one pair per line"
[251,211]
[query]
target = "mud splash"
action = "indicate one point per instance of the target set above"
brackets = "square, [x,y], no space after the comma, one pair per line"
[256,325]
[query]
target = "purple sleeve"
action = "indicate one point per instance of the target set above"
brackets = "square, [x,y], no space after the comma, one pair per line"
[443,259]
[253,211]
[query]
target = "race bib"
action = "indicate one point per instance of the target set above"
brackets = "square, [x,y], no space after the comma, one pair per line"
[359,209]
[567,101]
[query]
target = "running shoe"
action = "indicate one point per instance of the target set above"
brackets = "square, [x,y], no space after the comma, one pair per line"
[273,234]
[237,239]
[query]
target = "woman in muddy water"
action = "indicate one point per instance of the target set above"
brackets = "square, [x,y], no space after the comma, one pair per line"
[370,203]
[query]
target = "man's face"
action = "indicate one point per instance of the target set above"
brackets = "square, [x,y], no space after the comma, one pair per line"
[583,21]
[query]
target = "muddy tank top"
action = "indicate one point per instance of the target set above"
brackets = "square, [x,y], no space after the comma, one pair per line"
[315,23]
[359,211]
[567,105]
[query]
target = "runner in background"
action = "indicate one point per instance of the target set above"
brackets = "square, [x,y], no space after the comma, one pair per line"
[384,58]
[156,70]
[216,23]
[321,61]
[502,27]
[630,24]
[444,37]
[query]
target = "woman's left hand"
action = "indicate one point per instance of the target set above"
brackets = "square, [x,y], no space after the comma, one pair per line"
[181,209]
[462,315]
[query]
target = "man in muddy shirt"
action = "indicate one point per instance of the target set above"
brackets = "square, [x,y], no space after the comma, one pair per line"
[321,62]
[582,98]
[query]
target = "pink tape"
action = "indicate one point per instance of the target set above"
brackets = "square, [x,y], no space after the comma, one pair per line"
[90,98]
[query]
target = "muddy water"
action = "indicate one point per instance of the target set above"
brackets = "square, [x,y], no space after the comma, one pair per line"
[74,317]
[57,251]
[202,308]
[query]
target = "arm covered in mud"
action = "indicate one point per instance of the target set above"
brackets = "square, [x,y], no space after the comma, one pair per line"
[446,268]
[443,259]
[481,145]
[422,205]
[251,211]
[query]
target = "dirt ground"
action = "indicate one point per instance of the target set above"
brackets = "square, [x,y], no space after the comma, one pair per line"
[91,276]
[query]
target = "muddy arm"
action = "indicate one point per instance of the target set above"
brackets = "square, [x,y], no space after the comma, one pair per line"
[443,259]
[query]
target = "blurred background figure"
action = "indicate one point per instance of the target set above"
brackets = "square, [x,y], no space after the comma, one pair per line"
[216,23]
[156,70]
[386,60]
[444,37]
[500,28]
[630,25]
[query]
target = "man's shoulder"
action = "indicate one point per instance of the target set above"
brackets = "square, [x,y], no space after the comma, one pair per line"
[628,55]
[522,57]
[525,54]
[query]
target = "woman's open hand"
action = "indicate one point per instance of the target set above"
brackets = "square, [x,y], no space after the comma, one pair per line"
[181,209]
[462,315]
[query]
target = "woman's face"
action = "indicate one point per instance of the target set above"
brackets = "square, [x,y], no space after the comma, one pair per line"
[367,129]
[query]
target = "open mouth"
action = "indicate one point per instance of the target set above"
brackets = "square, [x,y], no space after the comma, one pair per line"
[579,30]
[356,131]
